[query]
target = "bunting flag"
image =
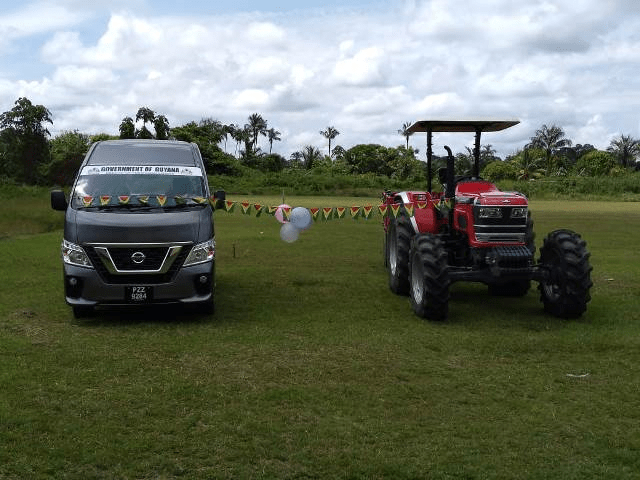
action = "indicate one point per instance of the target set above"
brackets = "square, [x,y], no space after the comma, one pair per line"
[422,205]
[143,199]
[180,200]
[340,211]
[286,211]
[409,208]
[383,209]
[271,210]
[258,208]
[355,212]
[245,208]
[87,200]
[104,200]
[327,213]
[199,200]
[123,199]
[367,211]
[395,208]
[228,205]
[314,213]
[162,199]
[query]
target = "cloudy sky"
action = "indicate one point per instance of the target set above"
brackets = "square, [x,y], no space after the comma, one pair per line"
[363,67]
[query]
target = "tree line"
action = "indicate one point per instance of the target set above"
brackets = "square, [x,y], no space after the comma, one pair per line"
[28,154]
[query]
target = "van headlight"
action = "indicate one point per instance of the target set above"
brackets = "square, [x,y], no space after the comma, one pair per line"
[203,252]
[73,254]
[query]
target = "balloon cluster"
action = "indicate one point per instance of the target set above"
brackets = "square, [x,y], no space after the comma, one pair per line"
[299,219]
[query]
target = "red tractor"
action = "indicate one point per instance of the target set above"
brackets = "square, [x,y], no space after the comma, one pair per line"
[471,231]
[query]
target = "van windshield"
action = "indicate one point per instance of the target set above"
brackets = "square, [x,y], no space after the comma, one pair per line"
[152,186]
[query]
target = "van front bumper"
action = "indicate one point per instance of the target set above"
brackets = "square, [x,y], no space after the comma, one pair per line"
[84,287]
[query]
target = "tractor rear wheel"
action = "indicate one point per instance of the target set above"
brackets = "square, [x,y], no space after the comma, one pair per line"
[429,277]
[565,292]
[397,250]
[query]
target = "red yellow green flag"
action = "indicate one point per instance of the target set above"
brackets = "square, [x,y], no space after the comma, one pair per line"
[162,199]
[355,211]
[287,212]
[409,208]
[327,212]
[180,200]
[383,209]
[367,211]
[87,200]
[258,209]
[245,207]
[314,212]
[422,205]
[340,211]
[199,200]
[123,199]
[143,199]
[395,208]
[104,200]
[228,206]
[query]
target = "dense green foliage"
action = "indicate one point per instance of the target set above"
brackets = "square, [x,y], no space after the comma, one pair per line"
[28,156]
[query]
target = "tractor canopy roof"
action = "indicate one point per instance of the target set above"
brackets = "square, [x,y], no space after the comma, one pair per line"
[479,125]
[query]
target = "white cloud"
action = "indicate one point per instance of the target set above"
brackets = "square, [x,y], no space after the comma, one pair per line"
[365,73]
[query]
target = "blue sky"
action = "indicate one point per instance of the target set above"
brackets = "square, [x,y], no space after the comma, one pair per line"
[360,66]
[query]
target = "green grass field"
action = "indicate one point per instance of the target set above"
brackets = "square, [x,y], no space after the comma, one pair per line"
[312,368]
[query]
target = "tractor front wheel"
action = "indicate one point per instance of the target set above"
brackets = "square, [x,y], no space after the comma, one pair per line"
[429,278]
[565,291]
[397,247]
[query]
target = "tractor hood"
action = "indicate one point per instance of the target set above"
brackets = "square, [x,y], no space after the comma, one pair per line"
[486,193]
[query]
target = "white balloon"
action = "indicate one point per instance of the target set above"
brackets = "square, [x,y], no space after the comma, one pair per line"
[301,218]
[289,233]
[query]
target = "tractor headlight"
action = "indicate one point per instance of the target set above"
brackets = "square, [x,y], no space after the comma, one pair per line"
[490,212]
[519,212]
[74,255]
[203,252]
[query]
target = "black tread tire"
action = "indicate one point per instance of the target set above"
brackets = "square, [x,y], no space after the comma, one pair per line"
[566,293]
[429,277]
[397,249]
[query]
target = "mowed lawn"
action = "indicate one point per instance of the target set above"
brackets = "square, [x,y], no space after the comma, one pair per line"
[312,368]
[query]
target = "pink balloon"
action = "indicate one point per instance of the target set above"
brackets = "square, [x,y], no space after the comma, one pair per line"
[280,213]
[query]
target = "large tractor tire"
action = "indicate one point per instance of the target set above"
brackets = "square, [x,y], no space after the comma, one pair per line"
[517,288]
[429,277]
[397,247]
[565,293]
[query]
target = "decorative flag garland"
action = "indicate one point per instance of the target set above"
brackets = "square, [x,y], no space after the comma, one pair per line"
[325,213]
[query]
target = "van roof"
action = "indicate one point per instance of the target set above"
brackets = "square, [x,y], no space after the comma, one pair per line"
[142,152]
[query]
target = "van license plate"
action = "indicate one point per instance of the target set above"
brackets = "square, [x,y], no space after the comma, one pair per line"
[138,294]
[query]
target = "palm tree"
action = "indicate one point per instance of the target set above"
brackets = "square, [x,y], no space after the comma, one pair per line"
[296,159]
[272,135]
[258,126]
[404,132]
[147,116]
[551,140]
[127,128]
[310,155]
[161,126]
[330,133]
[529,165]
[625,148]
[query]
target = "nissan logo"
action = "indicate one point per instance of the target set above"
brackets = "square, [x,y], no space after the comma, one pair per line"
[138,257]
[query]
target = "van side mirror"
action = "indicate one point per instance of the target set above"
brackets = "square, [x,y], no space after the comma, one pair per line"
[220,197]
[58,200]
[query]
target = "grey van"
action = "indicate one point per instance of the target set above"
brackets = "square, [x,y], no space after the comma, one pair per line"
[138,227]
